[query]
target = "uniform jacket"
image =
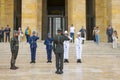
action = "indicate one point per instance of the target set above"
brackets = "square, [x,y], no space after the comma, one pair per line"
[78,42]
[32,41]
[48,43]
[58,43]
[66,42]
[14,44]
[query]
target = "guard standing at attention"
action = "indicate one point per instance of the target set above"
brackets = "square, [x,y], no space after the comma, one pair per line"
[48,43]
[66,48]
[14,44]
[33,46]
[78,45]
[58,49]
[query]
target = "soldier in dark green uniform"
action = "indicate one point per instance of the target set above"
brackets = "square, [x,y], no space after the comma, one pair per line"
[14,44]
[59,50]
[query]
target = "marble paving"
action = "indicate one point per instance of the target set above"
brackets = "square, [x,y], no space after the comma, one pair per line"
[100,62]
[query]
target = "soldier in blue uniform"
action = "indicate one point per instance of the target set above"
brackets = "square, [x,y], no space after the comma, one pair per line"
[48,43]
[2,35]
[33,46]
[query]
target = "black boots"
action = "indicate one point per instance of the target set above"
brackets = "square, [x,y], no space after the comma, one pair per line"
[79,61]
[59,72]
[13,67]
[32,62]
[66,61]
[49,61]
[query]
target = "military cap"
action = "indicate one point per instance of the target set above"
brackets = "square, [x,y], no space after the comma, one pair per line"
[48,34]
[78,33]
[59,30]
[33,32]
[66,32]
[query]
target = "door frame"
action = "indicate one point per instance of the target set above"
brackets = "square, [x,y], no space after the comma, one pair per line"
[63,25]
[17,14]
[90,19]
[45,16]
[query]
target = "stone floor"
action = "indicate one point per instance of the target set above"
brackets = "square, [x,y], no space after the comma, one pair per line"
[100,62]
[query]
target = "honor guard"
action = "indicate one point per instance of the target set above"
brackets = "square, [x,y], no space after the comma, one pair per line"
[33,46]
[14,44]
[78,45]
[66,48]
[48,43]
[58,49]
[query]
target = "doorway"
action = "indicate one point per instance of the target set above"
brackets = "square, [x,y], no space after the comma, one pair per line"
[55,23]
[17,13]
[90,18]
[54,17]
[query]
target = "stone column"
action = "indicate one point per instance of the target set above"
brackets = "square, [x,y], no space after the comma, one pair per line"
[7,13]
[44,19]
[32,15]
[39,18]
[77,13]
[2,13]
[101,18]
[29,14]
[109,12]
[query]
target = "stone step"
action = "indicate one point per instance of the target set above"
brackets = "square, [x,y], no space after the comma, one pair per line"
[88,48]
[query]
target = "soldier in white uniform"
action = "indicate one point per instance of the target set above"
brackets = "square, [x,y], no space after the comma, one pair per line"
[78,45]
[66,48]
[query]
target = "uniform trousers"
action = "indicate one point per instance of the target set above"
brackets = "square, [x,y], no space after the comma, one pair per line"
[49,54]
[13,58]
[33,54]
[79,52]
[66,51]
[59,61]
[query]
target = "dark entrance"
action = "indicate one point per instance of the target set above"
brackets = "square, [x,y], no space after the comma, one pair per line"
[55,23]
[90,18]
[17,13]
[54,17]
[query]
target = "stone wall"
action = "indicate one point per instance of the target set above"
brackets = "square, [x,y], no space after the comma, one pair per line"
[6,13]
[39,17]
[29,14]
[32,15]
[77,13]
[103,17]
[101,21]
[107,12]
[116,16]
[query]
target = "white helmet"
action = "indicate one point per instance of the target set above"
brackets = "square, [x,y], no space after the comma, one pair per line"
[66,32]
[78,33]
